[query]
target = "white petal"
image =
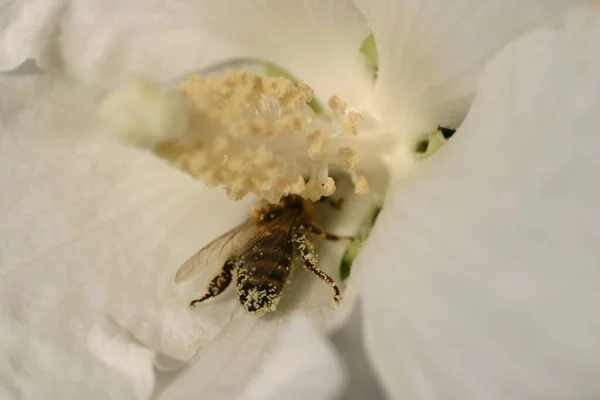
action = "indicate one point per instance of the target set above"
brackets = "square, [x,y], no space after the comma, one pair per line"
[104,42]
[117,349]
[303,365]
[24,30]
[483,273]
[317,41]
[53,362]
[431,53]
[349,341]
[88,225]
[296,360]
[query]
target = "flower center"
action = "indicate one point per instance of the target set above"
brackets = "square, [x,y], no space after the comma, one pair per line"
[244,132]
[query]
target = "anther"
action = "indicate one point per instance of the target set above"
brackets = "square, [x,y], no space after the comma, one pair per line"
[245,133]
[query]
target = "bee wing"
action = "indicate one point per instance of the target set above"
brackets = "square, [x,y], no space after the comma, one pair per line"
[217,250]
[275,236]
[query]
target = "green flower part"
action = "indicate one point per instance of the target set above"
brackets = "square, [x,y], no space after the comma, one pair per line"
[361,236]
[369,52]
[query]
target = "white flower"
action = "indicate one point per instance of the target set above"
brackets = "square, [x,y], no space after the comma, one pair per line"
[92,232]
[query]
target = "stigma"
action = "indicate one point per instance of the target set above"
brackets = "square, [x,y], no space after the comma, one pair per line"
[240,131]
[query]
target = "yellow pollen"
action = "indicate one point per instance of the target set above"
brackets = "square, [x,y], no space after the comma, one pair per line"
[296,186]
[261,156]
[315,143]
[316,188]
[285,122]
[361,186]
[215,81]
[350,126]
[240,131]
[282,86]
[337,105]
[298,123]
[349,156]
[353,117]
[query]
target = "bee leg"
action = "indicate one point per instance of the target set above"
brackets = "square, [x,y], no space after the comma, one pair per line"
[306,250]
[219,282]
[317,230]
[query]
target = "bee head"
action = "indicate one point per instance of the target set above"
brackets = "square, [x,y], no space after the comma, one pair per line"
[293,201]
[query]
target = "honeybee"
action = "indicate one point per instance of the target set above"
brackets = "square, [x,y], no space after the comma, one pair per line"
[260,254]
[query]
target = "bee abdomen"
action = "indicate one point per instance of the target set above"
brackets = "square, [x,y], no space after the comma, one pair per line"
[258,296]
[280,273]
[276,270]
[263,254]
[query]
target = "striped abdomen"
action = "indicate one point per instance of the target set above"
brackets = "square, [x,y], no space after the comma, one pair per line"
[264,269]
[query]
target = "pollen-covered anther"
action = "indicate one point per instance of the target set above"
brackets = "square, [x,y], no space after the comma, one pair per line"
[184,162]
[354,117]
[258,87]
[191,162]
[315,143]
[286,122]
[361,186]
[240,130]
[215,81]
[220,144]
[306,93]
[294,185]
[298,123]
[233,79]
[337,105]
[261,182]
[236,163]
[260,157]
[210,176]
[317,188]
[289,100]
[349,158]
[282,86]
[238,188]
[259,126]
[351,125]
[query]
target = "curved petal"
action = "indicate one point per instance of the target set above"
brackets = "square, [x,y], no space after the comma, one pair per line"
[296,359]
[104,42]
[431,53]
[303,364]
[88,225]
[24,27]
[483,273]
[54,362]
[349,341]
